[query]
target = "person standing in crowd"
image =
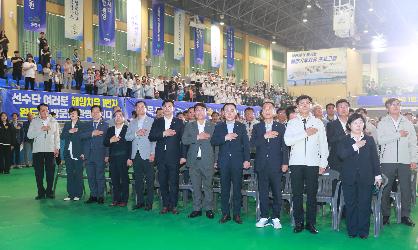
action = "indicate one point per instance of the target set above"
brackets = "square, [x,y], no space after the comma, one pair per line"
[360,170]
[370,130]
[148,90]
[73,155]
[44,130]
[143,155]
[29,71]
[250,120]
[330,113]
[111,85]
[45,55]
[159,113]
[75,57]
[89,81]
[121,85]
[119,155]
[215,117]
[129,86]
[58,78]
[4,43]
[234,155]
[148,65]
[96,154]
[7,140]
[47,77]
[281,115]
[336,131]
[68,73]
[271,161]
[41,43]
[27,143]
[102,86]
[398,156]
[17,62]
[78,75]
[308,157]
[167,133]
[201,160]
[317,112]
[19,140]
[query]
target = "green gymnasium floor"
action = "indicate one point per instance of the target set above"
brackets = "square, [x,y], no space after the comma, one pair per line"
[54,224]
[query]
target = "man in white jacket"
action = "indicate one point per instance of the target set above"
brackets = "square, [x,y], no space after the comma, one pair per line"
[306,136]
[398,156]
[44,130]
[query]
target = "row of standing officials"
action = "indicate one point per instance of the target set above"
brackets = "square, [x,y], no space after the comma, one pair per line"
[168,143]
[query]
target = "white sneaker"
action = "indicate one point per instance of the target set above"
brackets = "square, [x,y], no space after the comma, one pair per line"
[276,223]
[67,199]
[262,222]
[76,199]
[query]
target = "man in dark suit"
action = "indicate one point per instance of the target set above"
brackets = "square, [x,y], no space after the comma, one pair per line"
[271,160]
[234,154]
[96,154]
[336,131]
[201,159]
[167,132]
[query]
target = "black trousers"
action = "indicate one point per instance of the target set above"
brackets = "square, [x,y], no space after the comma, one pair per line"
[31,81]
[17,76]
[143,168]
[231,175]
[78,83]
[300,176]
[16,155]
[44,162]
[58,87]
[358,199]
[120,179]
[74,177]
[270,178]
[168,177]
[5,158]
[48,85]
[89,89]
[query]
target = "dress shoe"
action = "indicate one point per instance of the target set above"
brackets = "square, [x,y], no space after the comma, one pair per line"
[114,204]
[148,207]
[237,219]
[311,229]
[407,221]
[352,236]
[224,219]
[50,196]
[210,214]
[164,210]
[386,220]
[364,237]
[137,206]
[122,204]
[40,197]
[298,228]
[100,200]
[175,211]
[195,214]
[91,200]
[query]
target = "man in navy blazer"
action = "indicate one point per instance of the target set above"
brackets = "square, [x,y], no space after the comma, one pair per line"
[234,154]
[271,160]
[167,132]
[336,131]
[96,154]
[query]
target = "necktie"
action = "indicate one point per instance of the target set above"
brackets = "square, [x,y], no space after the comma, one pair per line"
[95,125]
[304,124]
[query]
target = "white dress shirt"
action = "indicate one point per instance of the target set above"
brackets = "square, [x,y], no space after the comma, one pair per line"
[201,129]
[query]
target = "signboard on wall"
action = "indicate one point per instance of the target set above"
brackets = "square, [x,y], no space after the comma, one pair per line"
[314,67]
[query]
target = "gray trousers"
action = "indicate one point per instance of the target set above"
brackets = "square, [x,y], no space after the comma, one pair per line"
[403,173]
[27,148]
[201,176]
[96,178]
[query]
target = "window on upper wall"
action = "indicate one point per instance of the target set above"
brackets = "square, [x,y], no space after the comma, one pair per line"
[238,44]
[278,56]
[258,50]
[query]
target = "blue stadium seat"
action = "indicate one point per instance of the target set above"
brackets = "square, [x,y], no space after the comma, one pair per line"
[89,59]
[9,63]
[39,68]
[36,59]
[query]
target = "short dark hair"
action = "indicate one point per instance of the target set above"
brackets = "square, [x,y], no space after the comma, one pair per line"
[303,97]
[16,51]
[330,104]
[200,104]
[158,109]
[96,106]
[229,103]
[361,109]
[166,101]
[354,117]
[190,108]
[342,101]
[280,109]
[141,101]
[290,110]
[390,101]
[214,113]
[248,109]
[52,113]
[268,102]
[40,105]
[118,111]
[72,109]
[14,113]
[179,113]
[67,59]
[350,110]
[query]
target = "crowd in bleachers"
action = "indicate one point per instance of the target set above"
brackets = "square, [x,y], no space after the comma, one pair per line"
[42,72]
